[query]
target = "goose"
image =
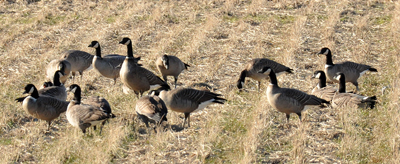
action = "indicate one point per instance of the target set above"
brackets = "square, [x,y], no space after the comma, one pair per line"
[321,90]
[42,107]
[288,100]
[351,70]
[253,66]
[58,64]
[84,116]
[187,100]
[80,61]
[343,99]
[137,78]
[109,65]
[169,65]
[56,90]
[152,109]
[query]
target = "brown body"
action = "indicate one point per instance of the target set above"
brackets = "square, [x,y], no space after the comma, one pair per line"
[254,66]
[55,65]
[151,109]
[79,60]
[186,100]
[169,65]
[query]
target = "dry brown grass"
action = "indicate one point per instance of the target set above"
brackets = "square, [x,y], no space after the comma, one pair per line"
[216,38]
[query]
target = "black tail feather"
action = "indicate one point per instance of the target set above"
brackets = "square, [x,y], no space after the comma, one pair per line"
[373,69]
[20,99]
[186,65]
[289,70]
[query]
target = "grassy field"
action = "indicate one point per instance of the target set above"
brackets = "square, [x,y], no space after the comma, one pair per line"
[216,38]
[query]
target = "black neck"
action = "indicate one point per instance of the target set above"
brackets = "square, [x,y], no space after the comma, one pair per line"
[322,80]
[272,77]
[243,76]
[329,59]
[98,51]
[342,84]
[77,95]
[56,79]
[35,93]
[130,50]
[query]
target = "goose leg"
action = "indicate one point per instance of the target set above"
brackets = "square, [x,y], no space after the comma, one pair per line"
[176,79]
[287,117]
[356,84]
[187,116]
[259,86]
[48,126]
[299,114]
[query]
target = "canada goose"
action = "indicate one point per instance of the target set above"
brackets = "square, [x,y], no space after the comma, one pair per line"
[187,100]
[137,78]
[253,66]
[79,60]
[85,115]
[343,99]
[59,64]
[288,100]
[151,108]
[321,90]
[351,70]
[42,107]
[56,90]
[170,66]
[109,65]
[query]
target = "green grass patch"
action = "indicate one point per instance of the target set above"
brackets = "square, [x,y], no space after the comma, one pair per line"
[230,19]
[382,20]
[6,141]
[285,19]
[54,19]
[110,19]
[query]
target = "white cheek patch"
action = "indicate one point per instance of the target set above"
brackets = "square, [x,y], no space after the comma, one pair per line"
[338,77]
[96,45]
[73,90]
[307,107]
[326,52]
[318,76]
[242,83]
[203,105]
[268,71]
[127,42]
[327,66]
[60,74]
[31,91]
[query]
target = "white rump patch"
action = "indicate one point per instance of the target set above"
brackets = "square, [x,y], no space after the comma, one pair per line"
[89,68]
[203,105]
[307,107]
[365,98]
[362,73]
[154,87]
[318,76]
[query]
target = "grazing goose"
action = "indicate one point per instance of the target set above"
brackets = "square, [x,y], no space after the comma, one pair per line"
[58,64]
[186,100]
[42,107]
[79,60]
[170,66]
[109,65]
[288,100]
[351,70]
[152,109]
[343,99]
[84,116]
[56,90]
[137,78]
[253,66]
[321,90]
